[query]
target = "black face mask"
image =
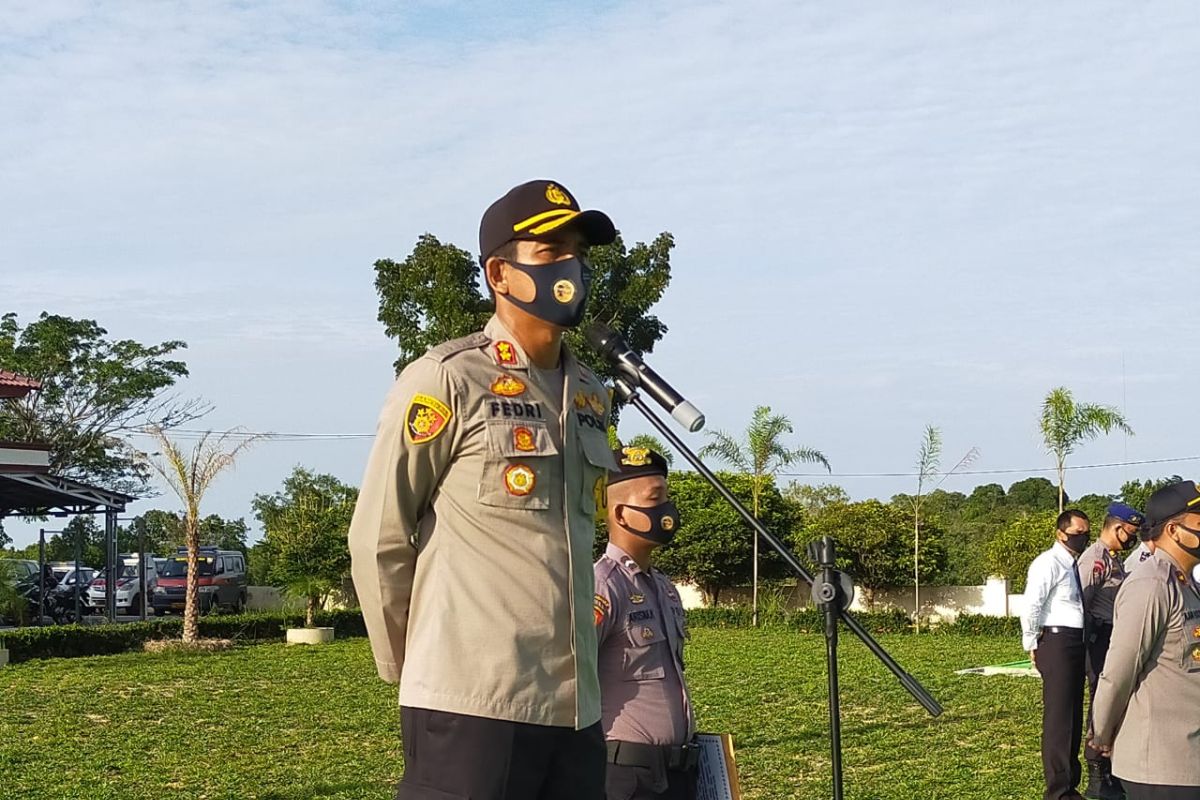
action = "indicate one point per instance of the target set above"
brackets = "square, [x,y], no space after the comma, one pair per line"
[561,290]
[1077,542]
[664,521]
[1194,552]
[1129,542]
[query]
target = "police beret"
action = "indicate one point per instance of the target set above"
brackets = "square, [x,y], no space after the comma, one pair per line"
[636,462]
[1171,500]
[535,209]
[1125,513]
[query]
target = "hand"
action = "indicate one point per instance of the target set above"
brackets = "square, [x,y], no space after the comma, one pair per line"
[1103,749]
[1033,657]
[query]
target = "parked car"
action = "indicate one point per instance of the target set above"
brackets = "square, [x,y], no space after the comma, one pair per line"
[17,570]
[68,578]
[129,598]
[221,581]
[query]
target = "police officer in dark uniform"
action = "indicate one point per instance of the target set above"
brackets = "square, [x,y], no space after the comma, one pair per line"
[1101,574]
[646,711]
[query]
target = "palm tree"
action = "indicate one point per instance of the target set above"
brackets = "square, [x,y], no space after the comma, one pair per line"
[760,456]
[929,459]
[189,475]
[1066,424]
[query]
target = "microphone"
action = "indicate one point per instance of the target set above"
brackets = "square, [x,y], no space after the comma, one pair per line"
[630,364]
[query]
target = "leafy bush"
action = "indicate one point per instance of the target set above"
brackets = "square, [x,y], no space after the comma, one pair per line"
[69,641]
[980,625]
[803,620]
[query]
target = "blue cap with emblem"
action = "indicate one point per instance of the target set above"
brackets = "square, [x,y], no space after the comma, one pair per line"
[1125,513]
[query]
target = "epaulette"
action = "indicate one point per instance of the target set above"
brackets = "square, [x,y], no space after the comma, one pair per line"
[447,349]
[605,568]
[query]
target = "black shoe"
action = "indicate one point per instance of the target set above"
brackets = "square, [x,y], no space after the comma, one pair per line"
[1111,788]
[1096,784]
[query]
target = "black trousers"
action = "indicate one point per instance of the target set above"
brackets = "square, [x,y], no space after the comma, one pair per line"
[1060,660]
[640,783]
[456,756]
[1143,791]
[1099,636]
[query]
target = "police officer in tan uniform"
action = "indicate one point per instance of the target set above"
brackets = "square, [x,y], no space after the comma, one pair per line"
[1147,714]
[646,710]
[1101,573]
[472,536]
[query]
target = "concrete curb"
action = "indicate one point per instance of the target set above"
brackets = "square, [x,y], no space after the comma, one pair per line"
[309,635]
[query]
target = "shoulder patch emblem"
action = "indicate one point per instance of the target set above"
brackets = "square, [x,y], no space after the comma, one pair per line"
[508,386]
[523,440]
[519,480]
[600,608]
[426,418]
[506,354]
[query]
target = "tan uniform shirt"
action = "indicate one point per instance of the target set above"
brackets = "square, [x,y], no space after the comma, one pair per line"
[1101,574]
[472,537]
[1148,701]
[641,628]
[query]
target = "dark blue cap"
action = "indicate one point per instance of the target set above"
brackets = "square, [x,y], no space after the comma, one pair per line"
[1125,513]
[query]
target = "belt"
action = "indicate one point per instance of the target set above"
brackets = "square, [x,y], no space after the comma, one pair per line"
[679,757]
[1064,629]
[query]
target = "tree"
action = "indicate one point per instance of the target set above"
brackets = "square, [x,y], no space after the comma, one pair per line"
[1137,493]
[712,546]
[1033,494]
[189,475]
[873,543]
[435,295]
[1066,424]
[760,456]
[1013,549]
[306,526]
[165,532]
[95,391]
[929,458]
[813,499]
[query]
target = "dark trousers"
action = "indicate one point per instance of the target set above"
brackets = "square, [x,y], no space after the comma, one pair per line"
[640,783]
[456,756]
[1143,791]
[1060,660]
[1099,635]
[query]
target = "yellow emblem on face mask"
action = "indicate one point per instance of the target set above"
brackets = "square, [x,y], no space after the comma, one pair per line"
[557,196]
[564,291]
[668,523]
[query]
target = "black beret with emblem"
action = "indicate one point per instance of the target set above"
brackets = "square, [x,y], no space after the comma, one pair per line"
[534,210]
[636,462]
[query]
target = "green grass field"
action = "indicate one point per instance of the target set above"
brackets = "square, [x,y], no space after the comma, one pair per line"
[279,723]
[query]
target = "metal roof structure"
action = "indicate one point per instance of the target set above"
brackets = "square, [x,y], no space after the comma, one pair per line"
[30,494]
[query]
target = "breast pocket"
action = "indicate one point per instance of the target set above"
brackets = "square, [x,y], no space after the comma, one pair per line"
[645,654]
[597,461]
[519,466]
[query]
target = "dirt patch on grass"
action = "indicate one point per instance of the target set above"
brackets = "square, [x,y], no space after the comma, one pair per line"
[180,646]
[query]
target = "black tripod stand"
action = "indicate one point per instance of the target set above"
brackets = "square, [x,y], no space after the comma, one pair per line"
[832,592]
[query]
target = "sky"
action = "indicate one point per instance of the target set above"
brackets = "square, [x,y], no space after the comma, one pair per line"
[887,215]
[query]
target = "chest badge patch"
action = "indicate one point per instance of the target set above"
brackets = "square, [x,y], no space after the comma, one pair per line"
[647,633]
[637,599]
[519,480]
[508,386]
[506,354]
[523,440]
[426,418]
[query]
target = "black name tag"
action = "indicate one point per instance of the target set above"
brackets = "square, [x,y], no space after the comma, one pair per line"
[638,616]
[514,409]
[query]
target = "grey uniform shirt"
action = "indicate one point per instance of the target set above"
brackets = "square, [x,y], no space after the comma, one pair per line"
[640,626]
[1101,574]
[471,541]
[1148,701]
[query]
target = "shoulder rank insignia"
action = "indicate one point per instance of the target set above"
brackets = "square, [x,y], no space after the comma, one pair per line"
[637,599]
[426,418]
[506,354]
[519,480]
[508,386]
[597,405]
[581,400]
[523,440]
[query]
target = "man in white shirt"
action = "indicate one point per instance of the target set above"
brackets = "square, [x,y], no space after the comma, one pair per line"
[1052,630]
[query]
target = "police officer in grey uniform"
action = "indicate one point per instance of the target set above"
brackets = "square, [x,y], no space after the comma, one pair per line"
[1147,714]
[1101,573]
[472,536]
[646,711]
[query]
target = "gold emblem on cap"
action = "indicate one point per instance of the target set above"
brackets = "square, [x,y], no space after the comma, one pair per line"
[557,196]
[635,456]
[564,291]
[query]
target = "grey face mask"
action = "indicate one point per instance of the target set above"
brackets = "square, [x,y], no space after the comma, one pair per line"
[561,290]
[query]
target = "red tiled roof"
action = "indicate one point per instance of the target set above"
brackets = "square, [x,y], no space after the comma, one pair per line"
[14,385]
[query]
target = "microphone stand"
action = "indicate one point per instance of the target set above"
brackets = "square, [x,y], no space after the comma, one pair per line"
[832,592]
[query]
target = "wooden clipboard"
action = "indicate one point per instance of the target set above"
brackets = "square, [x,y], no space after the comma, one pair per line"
[717,778]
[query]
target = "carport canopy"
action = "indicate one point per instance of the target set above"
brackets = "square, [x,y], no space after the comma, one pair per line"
[36,494]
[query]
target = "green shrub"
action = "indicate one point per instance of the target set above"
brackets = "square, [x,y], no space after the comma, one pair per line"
[69,641]
[980,625]
[802,620]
